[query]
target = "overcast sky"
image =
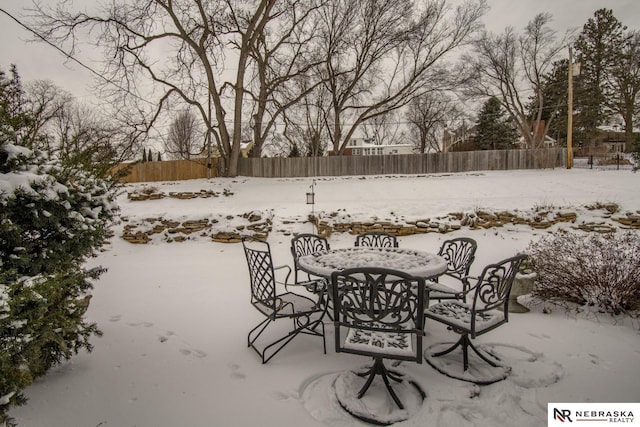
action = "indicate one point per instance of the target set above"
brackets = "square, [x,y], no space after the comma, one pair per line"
[39,61]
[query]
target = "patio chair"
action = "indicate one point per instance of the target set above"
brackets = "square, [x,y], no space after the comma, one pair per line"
[305,313]
[460,254]
[378,313]
[488,310]
[305,244]
[377,239]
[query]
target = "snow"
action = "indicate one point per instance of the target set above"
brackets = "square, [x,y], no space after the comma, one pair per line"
[417,263]
[175,316]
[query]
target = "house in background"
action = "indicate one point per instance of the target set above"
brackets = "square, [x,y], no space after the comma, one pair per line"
[607,139]
[610,139]
[368,147]
[460,139]
[245,149]
[547,142]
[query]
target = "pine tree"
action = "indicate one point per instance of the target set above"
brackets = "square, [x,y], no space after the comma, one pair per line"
[555,93]
[295,151]
[494,131]
[144,155]
[598,49]
[13,116]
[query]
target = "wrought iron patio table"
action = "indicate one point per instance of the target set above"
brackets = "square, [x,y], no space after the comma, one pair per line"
[416,263]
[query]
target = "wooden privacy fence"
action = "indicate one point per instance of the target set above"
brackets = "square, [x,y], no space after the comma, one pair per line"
[168,170]
[278,167]
[281,167]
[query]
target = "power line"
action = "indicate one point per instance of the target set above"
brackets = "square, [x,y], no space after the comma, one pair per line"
[71,57]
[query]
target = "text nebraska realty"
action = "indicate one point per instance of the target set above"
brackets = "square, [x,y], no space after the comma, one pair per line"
[613,416]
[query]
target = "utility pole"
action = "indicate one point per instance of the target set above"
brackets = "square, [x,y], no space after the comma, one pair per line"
[209,165]
[570,113]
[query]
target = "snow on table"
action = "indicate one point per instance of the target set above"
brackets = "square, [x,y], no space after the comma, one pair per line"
[415,263]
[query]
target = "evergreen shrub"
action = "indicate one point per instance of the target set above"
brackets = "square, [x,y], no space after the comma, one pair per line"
[52,218]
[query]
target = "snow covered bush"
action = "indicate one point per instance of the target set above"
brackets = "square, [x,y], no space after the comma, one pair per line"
[601,270]
[52,218]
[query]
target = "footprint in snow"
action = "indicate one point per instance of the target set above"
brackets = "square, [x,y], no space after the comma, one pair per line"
[197,353]
[145,324]
[235,372]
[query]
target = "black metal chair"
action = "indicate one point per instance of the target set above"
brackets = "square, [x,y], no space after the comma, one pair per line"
[488,310]
[305,244]
[377,239]
[305,313]
[460,254]
[378,313]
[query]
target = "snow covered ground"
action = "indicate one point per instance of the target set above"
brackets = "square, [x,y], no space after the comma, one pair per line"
[175,315]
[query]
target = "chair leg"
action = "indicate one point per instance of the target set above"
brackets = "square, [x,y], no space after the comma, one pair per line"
[378,368]
[466,343]
[449,349]
[483,356]
[262,324]
[497,372]
[299,327]
[462,342]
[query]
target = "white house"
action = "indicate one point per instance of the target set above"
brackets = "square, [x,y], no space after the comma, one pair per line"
[548,142]
[368,147]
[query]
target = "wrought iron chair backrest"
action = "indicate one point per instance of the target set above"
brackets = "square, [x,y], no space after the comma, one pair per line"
[377,239]
[494,285]
[460,254]
[261,272]
[305,244]
[378,299]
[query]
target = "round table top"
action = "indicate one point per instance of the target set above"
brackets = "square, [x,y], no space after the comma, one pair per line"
[415,263]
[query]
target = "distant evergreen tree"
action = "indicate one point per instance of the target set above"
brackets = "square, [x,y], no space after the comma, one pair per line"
[494,130]
[598,47]
[13,116]
[295,151]
[159,158]
[150,156]
[555,92]
[144,155]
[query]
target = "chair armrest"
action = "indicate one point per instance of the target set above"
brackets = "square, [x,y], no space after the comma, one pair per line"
[467,287]
[313,285]
[286,279]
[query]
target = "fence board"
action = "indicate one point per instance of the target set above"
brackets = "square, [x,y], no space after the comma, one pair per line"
[168,170]
[276,167]
[403,163]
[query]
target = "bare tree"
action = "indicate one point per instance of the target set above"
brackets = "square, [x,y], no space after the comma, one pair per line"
[162,52]
[512,67]
[74,132]
[46,103]
[305,122]
[282,56]
[428,116]
[625,84]
[182,141]
[384,129]
[380,54]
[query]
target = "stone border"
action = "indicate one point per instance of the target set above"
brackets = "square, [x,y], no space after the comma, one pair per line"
[328,223]
[176,231]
